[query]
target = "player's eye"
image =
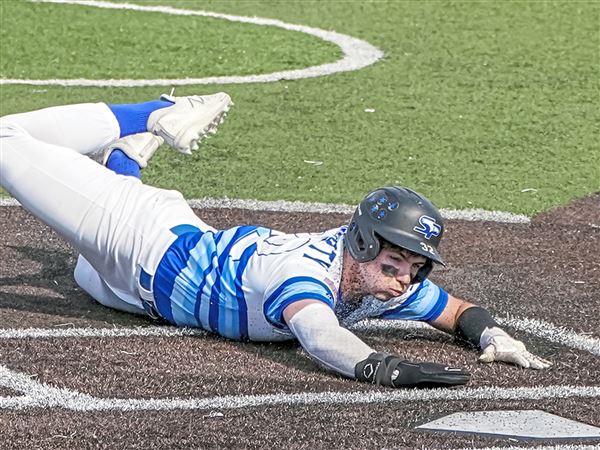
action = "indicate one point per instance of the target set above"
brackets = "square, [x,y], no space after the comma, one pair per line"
[398,256]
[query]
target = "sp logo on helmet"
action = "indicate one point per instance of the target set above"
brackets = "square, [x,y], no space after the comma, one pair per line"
[429,227]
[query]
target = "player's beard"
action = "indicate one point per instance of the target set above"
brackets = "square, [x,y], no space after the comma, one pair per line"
[352,284]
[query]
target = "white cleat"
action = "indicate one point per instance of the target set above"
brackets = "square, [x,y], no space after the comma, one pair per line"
[139,147]
[189,120]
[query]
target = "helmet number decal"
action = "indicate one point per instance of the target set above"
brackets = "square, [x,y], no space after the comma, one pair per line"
[429,227]
[427,248]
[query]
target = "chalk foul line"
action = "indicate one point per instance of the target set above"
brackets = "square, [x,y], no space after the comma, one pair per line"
[541,447]
[471,215]
[539,328]
[553,333]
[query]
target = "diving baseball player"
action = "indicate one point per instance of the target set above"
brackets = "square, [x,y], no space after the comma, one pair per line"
[143,250]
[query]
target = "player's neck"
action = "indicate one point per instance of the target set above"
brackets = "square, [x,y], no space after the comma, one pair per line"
[351,286]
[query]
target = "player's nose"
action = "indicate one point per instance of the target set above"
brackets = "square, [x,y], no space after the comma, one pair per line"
[403,275]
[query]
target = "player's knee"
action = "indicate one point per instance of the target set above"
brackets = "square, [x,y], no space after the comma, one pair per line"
[88,279]
[85,275]
[9,127]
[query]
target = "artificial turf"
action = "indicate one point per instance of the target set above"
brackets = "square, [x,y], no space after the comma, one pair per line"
[476,104]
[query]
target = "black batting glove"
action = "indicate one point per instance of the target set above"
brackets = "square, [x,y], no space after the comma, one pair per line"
[389,370]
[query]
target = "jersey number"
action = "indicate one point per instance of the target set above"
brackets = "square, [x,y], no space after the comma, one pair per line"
[427,248]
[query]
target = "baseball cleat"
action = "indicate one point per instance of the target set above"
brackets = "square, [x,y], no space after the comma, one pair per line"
[139,147]
[189,120]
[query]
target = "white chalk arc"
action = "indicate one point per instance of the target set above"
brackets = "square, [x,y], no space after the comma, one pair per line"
[357,53]
[41,395]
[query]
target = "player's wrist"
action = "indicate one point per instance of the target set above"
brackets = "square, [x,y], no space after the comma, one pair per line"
[493,334]
[473,323]
[377,369]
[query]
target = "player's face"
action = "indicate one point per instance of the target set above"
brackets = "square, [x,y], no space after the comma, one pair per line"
[389,274]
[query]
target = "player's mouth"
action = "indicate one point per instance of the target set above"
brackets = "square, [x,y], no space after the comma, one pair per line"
[397,292]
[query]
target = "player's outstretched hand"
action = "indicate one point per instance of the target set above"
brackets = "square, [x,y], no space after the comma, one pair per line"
[389,370]
[428,374]
[498,345]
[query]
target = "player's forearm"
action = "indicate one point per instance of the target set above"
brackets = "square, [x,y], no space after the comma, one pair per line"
[465,320]
[447,321]
[472,323]
[318,330]
[336,348]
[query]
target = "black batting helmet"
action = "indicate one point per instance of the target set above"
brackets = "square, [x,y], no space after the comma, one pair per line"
[403,218]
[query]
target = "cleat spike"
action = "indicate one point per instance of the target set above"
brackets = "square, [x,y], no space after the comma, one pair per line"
[190,119]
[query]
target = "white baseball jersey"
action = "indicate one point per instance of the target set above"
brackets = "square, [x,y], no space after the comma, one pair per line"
[237,282]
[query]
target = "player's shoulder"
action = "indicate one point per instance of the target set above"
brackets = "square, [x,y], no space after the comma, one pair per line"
[275,242]
[303,257]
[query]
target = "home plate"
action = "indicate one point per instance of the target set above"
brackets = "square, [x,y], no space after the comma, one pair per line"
[528,424]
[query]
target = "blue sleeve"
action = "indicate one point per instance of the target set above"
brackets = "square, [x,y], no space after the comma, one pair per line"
[426,304]
[293,290]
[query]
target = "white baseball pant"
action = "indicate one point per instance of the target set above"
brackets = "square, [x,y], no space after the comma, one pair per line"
[116,223]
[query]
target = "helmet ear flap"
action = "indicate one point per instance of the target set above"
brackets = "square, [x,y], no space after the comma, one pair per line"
[373,247]
[360,242]
[362,248]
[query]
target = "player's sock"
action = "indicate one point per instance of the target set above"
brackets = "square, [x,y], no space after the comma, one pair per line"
[122,164]
[133,118]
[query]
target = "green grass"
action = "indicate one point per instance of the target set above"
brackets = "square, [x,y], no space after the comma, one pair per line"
[474,102]
[100,43]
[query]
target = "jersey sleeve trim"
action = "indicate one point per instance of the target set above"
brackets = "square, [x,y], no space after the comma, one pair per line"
[425,304]
[438,308]
[293,290]
[414,296]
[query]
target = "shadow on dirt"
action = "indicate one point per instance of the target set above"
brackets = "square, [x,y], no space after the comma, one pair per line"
[51,290]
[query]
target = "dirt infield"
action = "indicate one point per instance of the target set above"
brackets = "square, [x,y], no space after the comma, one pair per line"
[548,270]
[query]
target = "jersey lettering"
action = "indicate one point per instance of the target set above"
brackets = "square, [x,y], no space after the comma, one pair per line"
[321,262]
[324,251]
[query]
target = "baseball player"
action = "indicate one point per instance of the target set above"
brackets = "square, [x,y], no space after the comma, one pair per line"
[143,250]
